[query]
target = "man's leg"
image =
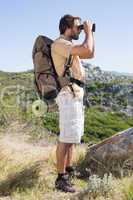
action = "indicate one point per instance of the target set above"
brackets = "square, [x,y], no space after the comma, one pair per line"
[69,156]
[64,156]
[61,154]
[69,168]
[62,181]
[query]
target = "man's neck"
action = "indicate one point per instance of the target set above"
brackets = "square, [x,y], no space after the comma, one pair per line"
[66,37]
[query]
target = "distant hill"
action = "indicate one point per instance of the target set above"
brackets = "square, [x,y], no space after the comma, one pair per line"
[109,101]
[96,72]
[87,65]
[122,73]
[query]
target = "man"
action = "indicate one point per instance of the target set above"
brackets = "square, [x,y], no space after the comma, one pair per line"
[70,98]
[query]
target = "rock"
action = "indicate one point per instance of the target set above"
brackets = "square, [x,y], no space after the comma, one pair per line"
[112,155]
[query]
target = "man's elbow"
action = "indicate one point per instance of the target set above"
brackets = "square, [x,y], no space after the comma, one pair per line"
[89,51]
[87,54]
[90,54]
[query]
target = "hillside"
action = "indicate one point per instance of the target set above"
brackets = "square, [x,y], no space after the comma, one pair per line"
[28,170]
[28,142]
[109,102]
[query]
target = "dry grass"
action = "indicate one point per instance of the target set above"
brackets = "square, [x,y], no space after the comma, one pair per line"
[28,172]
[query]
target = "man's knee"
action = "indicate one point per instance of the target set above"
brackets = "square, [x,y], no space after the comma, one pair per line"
[66,145]
[69,145]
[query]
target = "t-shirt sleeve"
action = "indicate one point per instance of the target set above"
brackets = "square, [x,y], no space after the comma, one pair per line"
[62,48]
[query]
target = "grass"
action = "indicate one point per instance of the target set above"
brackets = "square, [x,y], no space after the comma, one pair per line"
[28,171]
[128,189]
[28,143]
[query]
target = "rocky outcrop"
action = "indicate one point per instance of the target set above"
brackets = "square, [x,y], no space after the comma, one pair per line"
[113,155]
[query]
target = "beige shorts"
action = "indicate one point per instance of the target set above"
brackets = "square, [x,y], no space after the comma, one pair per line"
[71,117]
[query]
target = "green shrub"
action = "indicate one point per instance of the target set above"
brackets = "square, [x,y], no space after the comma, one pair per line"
[51,122]
[100,125]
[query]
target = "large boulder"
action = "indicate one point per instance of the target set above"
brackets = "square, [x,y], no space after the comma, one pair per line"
[114,155]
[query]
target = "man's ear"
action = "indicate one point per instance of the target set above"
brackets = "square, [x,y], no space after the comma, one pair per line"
[69,31]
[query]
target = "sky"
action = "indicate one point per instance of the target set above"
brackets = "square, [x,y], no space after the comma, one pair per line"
[22,21]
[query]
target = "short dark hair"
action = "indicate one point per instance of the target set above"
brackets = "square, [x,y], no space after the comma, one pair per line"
[67,21]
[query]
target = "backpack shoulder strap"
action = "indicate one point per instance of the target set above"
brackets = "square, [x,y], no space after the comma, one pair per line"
[67,65]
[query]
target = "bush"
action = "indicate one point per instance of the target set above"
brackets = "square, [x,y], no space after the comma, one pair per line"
[51,122]
[100,125]
[100,186]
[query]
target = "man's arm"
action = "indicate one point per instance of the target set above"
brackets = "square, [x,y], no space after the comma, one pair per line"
[86,49]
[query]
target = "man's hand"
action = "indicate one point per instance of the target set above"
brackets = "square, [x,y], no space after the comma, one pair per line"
[86,49]
[87,27]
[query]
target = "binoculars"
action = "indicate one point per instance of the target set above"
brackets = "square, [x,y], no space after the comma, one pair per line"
[81,27]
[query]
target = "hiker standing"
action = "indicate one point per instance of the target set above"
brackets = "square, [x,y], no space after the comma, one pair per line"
[70,98]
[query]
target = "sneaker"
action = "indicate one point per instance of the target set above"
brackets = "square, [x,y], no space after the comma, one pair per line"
[70,170]
[71,173]
[63,184]
[81,174]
